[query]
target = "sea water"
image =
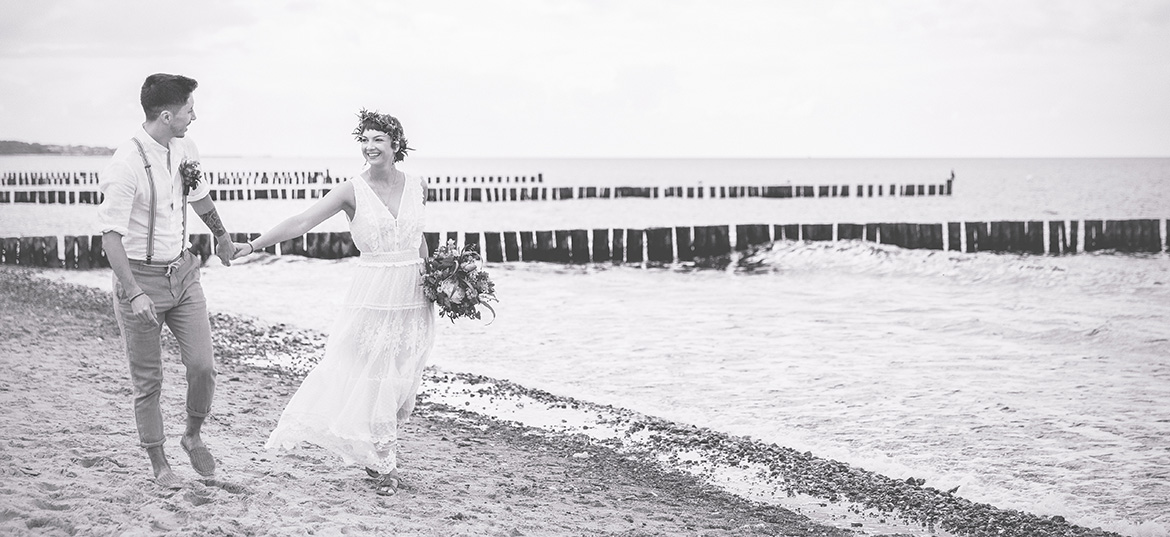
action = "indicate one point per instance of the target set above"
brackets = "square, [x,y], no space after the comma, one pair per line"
[1030,382]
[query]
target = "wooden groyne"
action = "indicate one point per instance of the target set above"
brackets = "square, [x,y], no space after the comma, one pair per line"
[666,245]
[81,187]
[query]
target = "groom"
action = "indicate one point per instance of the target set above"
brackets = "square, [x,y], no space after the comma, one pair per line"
[156,278]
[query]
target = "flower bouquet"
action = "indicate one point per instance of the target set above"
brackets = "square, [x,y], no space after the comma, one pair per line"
[453,279]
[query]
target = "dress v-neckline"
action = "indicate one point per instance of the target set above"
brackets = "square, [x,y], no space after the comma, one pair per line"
[394,215]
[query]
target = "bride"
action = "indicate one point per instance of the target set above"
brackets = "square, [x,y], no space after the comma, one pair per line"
[364,387]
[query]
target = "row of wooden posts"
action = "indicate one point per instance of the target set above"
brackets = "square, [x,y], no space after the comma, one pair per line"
[443,193]
[12,178]
[666,245]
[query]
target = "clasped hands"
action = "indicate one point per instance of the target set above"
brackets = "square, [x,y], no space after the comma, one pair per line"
[242,249]
[228,251]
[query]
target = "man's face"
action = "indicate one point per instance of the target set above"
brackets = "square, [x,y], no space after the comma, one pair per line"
[181,118]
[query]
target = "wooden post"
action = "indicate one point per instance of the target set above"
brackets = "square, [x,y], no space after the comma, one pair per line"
[511,246]
[847,232]
[313,245]
[817,232]
[579,246]
[619,246]
[1034,238]
[930,236]
[470,239]
[431,237]
[27,251]
[296,246]
[660,245]
[1057,238]
[601,250]
[791,232]
[97,254]
[976,236]
[711,241]
[48,248]
[494,251]
[634,245]
[954,237]
[545,246]
[1073,236]
[686,246]
[890,234]
[1094,236]
[561,252]
[70,248]
[528,246]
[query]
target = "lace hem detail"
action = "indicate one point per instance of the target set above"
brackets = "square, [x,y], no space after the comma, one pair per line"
[380,454]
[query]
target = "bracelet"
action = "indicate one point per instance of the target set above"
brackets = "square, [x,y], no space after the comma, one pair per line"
[136,296]
[251,249]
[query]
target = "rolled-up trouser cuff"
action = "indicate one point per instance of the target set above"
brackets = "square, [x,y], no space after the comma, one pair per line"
[195,414]
[148,445]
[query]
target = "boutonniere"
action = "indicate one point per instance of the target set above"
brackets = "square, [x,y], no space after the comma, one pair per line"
[189,171]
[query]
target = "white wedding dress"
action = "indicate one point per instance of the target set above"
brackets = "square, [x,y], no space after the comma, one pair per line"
[353,401]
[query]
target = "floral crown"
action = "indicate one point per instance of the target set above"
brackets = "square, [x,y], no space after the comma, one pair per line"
[383,123]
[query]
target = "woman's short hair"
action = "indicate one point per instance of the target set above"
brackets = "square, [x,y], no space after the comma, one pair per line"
[162,91]
[386,123]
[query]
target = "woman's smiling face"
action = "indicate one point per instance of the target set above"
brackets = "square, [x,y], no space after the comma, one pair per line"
[377,146]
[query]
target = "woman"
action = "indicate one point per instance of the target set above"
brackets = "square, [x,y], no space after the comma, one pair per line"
[352,402]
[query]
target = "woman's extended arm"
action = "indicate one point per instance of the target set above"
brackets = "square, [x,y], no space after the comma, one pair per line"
[338,199]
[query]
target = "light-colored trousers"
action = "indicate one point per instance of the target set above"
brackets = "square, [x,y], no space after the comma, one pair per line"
[178,302]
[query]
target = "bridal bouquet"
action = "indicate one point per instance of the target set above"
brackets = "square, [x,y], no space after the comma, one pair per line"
[453,279]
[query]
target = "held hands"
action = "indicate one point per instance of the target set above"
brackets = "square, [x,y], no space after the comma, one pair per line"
[243,249]
[225,250]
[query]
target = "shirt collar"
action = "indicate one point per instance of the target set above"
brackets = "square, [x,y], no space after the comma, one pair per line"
[149,140]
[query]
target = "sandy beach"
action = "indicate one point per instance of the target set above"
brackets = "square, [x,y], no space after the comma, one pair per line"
[71,465]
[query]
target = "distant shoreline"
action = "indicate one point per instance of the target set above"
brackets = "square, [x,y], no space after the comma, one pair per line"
[12,147]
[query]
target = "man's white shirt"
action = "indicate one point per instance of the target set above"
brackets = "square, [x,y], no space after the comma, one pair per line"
[126,207]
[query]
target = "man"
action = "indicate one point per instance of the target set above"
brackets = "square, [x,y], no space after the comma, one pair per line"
[156,278]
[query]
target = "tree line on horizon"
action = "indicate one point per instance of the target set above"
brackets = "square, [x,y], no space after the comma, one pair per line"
[12,147]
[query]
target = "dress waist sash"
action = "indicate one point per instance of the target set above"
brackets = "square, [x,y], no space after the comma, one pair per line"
[378,259]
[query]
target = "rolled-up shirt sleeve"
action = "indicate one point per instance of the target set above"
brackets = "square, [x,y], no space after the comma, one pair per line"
[118,187]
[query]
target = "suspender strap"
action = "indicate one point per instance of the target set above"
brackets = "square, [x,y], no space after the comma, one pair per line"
[154,205]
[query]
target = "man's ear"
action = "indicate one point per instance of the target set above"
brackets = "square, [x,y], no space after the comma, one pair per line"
[166,116]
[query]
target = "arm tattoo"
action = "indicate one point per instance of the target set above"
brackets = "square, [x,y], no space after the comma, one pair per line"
[211,218]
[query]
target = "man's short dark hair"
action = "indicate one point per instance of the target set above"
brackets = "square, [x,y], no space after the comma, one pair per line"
[162,91]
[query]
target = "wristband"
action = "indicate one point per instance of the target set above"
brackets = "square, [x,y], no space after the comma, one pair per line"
[136,296]
[251,249]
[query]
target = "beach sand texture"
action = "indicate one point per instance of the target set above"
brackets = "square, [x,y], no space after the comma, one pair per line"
[70,463]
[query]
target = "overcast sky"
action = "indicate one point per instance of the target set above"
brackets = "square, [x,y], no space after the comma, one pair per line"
[599,78]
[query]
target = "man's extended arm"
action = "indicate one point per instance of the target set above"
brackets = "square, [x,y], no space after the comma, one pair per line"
[224,248]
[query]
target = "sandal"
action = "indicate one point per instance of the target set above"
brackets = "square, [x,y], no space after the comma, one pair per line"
[387,485]
[201,459]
